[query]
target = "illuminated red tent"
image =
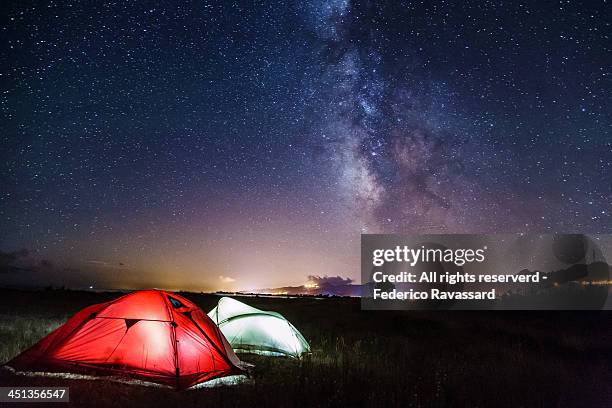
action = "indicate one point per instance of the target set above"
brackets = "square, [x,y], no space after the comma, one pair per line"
[149,335]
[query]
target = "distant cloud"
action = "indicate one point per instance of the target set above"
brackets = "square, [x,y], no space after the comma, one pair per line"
[320,285]
[332,285]
[9,260]
[329,280]
[105,264]
[226,279]
[20,261]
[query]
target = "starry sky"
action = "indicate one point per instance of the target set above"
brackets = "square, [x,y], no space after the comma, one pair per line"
[239,145]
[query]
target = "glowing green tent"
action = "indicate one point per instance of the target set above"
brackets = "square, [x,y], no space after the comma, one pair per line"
[257,331]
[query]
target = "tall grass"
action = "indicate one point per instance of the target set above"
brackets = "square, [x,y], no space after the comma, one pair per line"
[17,333]
[374,359]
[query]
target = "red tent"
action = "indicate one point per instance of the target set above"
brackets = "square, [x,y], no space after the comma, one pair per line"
[150,335]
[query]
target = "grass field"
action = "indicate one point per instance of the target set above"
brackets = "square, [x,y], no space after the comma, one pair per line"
[373,359]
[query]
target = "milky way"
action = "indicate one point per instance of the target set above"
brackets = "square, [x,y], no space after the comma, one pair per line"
[404,163]
[214,145]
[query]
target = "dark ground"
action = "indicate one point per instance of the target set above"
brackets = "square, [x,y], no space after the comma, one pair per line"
[378,359]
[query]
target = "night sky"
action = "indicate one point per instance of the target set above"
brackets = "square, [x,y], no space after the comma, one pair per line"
[218,145]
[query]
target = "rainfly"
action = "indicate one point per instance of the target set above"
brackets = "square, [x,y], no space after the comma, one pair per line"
[257,331]
[149,335]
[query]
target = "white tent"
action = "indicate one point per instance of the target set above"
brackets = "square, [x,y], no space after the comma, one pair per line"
[257,331]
